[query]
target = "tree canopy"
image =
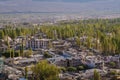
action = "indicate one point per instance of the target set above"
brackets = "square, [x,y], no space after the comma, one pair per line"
[45,71]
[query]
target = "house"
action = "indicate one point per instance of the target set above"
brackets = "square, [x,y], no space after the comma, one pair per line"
[59,44]
[67,76]
[59,61]
[74,61]
[90,64]
[66,62]
[108,59]
[27,61]
[62,63]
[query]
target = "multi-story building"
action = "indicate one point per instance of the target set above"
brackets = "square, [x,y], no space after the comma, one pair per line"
[37,43]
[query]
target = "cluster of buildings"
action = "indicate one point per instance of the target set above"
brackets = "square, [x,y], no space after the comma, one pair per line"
[64,53]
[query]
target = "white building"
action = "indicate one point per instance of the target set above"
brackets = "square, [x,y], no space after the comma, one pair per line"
[37,43]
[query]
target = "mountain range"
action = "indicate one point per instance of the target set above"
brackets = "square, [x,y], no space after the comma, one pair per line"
[93,7]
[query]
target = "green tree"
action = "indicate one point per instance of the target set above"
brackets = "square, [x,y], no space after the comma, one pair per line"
[26,72]
[45,71]
[27,53]
[1,34]
[96,75]
[78,42]
[81,68]
[47,55]
[63,69]
[50,44]
[71,69]
[112,64]
[13,34]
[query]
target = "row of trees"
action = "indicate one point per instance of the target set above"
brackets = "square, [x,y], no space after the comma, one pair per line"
[14,32]
[101,34]
[16,53]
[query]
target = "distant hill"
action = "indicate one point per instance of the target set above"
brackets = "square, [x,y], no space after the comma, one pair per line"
[83,7]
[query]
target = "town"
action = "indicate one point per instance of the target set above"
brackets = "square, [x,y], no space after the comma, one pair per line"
[81,50]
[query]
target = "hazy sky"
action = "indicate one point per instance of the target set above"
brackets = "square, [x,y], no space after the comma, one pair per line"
[57,0]
[66,0]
